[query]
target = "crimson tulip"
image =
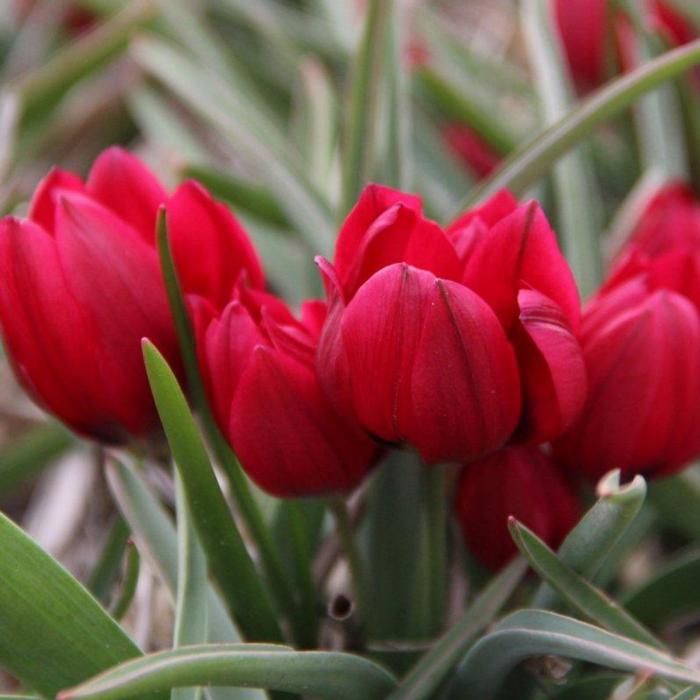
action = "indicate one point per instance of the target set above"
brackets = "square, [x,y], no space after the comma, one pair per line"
[81,285]
[590,28]
[258,362]
[665,245]
[518,481]
[471,149]
[453,342]
[642,415]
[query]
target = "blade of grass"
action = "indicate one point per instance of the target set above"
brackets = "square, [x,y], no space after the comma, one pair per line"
[575,590]
[54,633]
[107,567]
[587,546]
[227,557]
[529,633]
[249,131]
[434,666]
[330,675]
[361,127]
[131,578]
[271,559]
[531,161]
[191,609]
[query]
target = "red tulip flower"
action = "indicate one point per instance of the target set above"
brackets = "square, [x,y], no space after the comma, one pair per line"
[81,285]
[470,148]
[590,29]
[642,352]
[453,342]
[259,367]
[518,481]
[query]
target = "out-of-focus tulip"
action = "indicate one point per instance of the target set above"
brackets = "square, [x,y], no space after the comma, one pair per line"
[665,246]
[642,352]
[518,481]
[584,28]
[591,29]
[258,365]
[81,285]
[440,340]
[479,156]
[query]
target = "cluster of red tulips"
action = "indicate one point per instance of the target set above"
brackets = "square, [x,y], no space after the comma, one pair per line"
[464,343]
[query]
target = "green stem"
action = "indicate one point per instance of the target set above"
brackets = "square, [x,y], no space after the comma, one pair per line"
[343,525]
[107,567]
[131,578]
[432,563]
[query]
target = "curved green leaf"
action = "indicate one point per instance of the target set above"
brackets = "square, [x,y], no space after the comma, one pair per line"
[227,557]
[269,555]
[131,578]
[575,590]
[537,632]
[671,591]
[155,534]
[431,670]
[249,130]
[191,609]
[530,162]
[54,633]
[692,693]
[331,675]
[586,547]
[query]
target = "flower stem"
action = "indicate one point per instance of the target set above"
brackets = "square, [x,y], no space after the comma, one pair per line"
[343,524]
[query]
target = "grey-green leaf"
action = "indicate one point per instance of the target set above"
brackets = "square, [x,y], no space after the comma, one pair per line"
[330,675]
[530,633]
[54,633]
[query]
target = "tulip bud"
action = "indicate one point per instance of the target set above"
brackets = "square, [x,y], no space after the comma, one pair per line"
[429,364]
[517,481]
[82,286]
[478,155]
[424,327]
[642,415]
[261,379]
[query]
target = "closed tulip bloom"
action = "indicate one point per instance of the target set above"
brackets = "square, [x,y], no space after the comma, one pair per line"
[518,481]
[591,29]
[439,339]
[81,285]
[258,364]
[642,415]
[471,149]
[665,245]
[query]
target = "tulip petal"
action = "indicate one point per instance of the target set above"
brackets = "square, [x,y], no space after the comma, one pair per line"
[225,349]
[552,369]
[583,26]
[464,395]
[495,208]
[642,413]
[50,342]
[115,278]
[123,184]
[398,234]
[379,331]
[287,436]
[518,481]
[43,207]
[521,251]
[373,201]
[210,247]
